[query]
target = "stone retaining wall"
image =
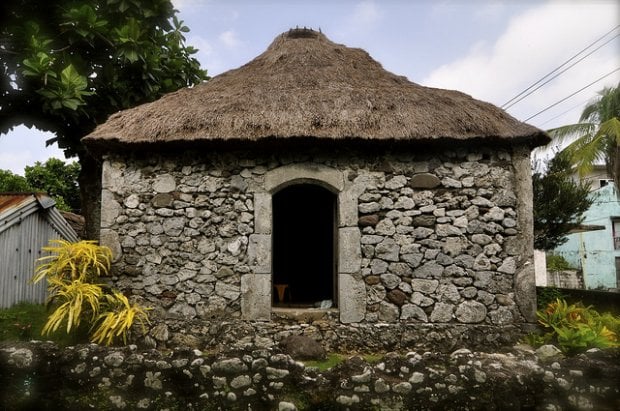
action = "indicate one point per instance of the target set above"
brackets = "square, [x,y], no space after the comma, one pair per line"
[329,333]
[424,236]
[42,376]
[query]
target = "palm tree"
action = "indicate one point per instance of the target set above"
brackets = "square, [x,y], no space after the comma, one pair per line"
[597,134]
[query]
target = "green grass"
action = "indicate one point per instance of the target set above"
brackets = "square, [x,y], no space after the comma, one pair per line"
[334,359]
[331,361]
[24,322]
[373,358]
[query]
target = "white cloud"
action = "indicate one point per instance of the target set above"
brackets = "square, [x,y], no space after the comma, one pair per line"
[364,18]
[183,4]
[533,44]
[23,147]
[205,50]
[230,39]
[490,10]
[366,13]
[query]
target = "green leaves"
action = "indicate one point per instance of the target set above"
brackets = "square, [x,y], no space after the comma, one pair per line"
[129,41]
[58,179]
[576,328]
[559,203]
[71,63]
[597,135]
[83,21]
[13,183]
[68,91]
[40,66]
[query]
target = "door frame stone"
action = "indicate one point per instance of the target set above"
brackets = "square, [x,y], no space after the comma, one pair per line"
[256,289]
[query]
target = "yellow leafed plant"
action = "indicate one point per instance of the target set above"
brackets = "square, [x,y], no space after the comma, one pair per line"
[118,319]
[71,272]
[75,298]
[84,260]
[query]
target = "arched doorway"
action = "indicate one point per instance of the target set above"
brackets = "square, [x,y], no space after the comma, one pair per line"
[303,247]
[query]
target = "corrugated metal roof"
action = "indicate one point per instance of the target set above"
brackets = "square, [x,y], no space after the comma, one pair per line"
[15,207]
[9,201]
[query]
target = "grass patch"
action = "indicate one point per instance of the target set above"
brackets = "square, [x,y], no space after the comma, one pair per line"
[334,359]
[24,322]
[373,358]
[331,361]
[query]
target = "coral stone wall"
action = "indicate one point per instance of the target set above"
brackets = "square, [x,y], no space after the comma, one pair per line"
[425,236]
[42,376]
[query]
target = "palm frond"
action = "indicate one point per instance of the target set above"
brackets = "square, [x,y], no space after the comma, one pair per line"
[584,153]
[611,128]
[562,134]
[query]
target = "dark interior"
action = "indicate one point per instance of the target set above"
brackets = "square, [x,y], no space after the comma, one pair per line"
[303,245]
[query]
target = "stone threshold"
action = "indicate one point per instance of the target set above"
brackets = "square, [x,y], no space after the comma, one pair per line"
[300,314]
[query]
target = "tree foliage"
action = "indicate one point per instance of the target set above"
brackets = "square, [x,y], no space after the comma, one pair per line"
[58,179]
[597,134]
[13,183]
[559,203]
[54,177]
[66,65]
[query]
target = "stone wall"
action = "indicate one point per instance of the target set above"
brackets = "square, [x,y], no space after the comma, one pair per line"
[424,236]
[42,376]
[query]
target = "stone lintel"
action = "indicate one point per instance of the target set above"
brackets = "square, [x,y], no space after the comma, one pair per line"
[310,172]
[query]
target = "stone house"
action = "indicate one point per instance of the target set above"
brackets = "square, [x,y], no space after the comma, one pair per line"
[311,180]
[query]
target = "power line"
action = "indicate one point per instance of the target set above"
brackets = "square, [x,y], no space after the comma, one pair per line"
[560,66]
[561,72]
[569,96]
[564,112]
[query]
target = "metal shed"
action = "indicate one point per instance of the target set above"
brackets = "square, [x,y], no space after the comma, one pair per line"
[28,221]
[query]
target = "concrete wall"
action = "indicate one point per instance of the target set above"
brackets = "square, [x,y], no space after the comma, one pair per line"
[540,267]
[594,251]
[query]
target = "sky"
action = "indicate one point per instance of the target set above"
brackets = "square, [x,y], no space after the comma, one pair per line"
[490,49]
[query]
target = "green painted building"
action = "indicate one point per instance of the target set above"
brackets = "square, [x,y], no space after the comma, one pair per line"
[597,253]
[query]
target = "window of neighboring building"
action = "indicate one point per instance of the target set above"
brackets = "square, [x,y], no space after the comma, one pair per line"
[616,232]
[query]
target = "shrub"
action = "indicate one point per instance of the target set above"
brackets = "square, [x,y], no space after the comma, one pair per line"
[575,328]
[72,272]
[547,295]
[557,263]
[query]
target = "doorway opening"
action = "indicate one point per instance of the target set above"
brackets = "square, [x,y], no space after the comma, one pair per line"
[304,247]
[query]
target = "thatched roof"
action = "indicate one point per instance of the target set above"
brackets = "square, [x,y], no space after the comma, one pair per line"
[306,86]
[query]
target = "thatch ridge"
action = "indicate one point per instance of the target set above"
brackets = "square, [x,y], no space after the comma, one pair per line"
[304,85]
